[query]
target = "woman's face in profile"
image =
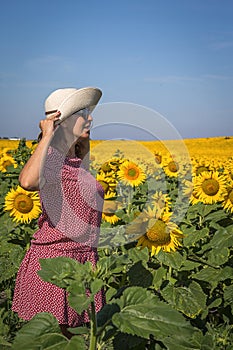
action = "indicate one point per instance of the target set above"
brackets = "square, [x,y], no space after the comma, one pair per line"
[77,125]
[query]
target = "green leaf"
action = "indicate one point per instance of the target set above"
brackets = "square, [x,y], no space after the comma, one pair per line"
[110,293]
[112,236]
[28,337]
[139,275]
[198,342]
[110,264]
[142,314]
[205,210]
[203,342]
[189,265]
[216,216]
[216,250]
[52,341]
[4,344]
[76,343]
[218,257]
[62,271]
[214,276]
[96,285]
[137,254]
[79,330]
[158,277]
[189,300]
[192,236]
[77,297]
[174,259]
[57,270]
[228,295]
[10,259]
[215,303]
[106,313]
[222,239]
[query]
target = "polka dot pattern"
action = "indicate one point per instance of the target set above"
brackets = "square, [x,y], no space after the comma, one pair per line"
[72,231]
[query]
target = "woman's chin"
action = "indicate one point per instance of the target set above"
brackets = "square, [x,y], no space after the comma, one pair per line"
[86,133]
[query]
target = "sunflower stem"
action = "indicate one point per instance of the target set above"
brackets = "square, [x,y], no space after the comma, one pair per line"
[169,272]
[200,221]
[129,201]
[93,324]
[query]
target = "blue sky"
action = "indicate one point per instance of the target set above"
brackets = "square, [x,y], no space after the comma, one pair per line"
[172,56]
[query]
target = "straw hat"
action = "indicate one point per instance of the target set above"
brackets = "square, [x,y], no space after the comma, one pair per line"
[70,100]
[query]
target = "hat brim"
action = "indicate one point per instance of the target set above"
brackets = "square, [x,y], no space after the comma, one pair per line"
[83,98]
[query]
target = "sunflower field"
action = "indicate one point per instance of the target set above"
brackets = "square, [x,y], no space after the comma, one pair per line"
[165,249]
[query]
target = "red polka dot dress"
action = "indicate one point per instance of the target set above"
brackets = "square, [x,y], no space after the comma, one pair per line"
[69,225]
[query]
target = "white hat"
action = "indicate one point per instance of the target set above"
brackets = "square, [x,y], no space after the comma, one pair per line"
[70,100]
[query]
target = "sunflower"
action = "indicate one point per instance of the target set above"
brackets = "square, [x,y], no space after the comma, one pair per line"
[131,174]
[200,165]
[6,161]
[228,201]
[109,208]
[158,157]
[111,167]
[23,205]
[210,187]
[157,232]
[107,182]
[172,168]
[7,151]
[188,191]
[228,171]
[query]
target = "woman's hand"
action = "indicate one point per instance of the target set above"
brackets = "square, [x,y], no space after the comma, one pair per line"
[47,125]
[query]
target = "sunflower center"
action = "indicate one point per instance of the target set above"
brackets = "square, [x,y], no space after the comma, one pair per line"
[158,233]
[23,203]
[158,158]
[210,187]
[132,173]
[200,169]
[173,167]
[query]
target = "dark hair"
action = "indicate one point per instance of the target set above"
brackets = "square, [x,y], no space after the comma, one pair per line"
[39,137]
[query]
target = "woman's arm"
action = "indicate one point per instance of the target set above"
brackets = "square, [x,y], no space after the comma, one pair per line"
[30,175]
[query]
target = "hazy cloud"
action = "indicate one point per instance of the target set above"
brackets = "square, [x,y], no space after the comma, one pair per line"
[217,77]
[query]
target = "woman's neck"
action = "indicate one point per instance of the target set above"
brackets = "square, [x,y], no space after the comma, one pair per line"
[71,152]
[64,144]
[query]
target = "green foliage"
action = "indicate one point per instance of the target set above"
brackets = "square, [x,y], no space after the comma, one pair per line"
[176,301]
[14,241]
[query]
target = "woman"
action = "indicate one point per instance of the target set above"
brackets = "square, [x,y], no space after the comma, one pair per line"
[71,201]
